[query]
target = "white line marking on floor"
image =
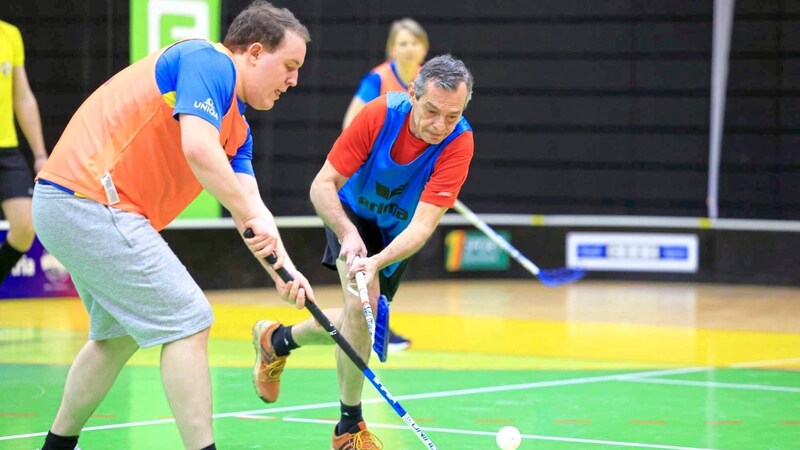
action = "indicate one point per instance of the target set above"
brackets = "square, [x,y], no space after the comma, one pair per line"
[492,434]
[254,417]
[536,385]
[712,384]
[484,390]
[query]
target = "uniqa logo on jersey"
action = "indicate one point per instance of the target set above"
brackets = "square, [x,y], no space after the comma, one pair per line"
[158,23]
[207,106]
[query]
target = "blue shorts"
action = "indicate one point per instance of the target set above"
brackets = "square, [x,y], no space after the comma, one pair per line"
[129,280]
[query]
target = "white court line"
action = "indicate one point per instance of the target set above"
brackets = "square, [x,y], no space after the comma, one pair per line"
[492,434]
[774,362]
[102,427]
[145,423]
[543,384]
[485,390]
[712,384]
[255,417]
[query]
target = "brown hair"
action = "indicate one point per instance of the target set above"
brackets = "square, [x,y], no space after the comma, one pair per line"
[413,27]
[262,22]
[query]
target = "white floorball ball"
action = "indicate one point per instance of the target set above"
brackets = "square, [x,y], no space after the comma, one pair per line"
[508,438]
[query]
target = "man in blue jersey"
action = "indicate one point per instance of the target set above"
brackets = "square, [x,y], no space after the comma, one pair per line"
[134,155]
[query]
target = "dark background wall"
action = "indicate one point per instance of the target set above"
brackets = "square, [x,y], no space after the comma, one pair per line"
[580,106]
[761,162]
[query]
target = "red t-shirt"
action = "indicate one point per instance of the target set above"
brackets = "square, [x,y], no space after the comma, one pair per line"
[351,149]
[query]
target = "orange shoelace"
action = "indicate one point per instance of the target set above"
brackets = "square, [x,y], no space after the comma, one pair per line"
[272,372]
[364,440]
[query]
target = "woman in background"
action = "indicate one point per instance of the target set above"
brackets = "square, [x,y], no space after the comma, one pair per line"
[406,48]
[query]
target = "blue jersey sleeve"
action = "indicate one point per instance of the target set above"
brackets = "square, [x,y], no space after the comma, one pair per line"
[370,87]
[242,162]
[204,84]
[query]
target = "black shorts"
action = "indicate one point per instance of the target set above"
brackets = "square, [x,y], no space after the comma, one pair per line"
[371,235]
[16,179]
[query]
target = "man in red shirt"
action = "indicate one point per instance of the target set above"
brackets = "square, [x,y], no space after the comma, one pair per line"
[383,189]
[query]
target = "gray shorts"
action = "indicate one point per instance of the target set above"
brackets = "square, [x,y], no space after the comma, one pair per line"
[129,280]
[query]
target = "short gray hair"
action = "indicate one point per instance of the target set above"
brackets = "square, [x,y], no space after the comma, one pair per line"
[445,72]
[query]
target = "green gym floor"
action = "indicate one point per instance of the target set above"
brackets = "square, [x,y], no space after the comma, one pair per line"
[594,365]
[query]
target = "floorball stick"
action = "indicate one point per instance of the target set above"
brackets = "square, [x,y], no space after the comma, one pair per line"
[552,277]
[353,355]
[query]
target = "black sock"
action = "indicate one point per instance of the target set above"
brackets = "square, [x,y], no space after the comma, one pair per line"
[8,259]
[210,447]
[348,422]
[282,341]
[56,442]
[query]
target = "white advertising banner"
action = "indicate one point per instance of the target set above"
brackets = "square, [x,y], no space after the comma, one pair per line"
[633,252]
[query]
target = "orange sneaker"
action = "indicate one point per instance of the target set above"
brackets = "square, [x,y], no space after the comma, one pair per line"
[361,440]
[269,366]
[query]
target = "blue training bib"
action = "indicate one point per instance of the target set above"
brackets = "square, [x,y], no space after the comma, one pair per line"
[385,192]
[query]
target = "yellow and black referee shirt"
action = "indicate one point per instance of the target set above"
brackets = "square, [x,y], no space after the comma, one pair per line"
[12,54]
